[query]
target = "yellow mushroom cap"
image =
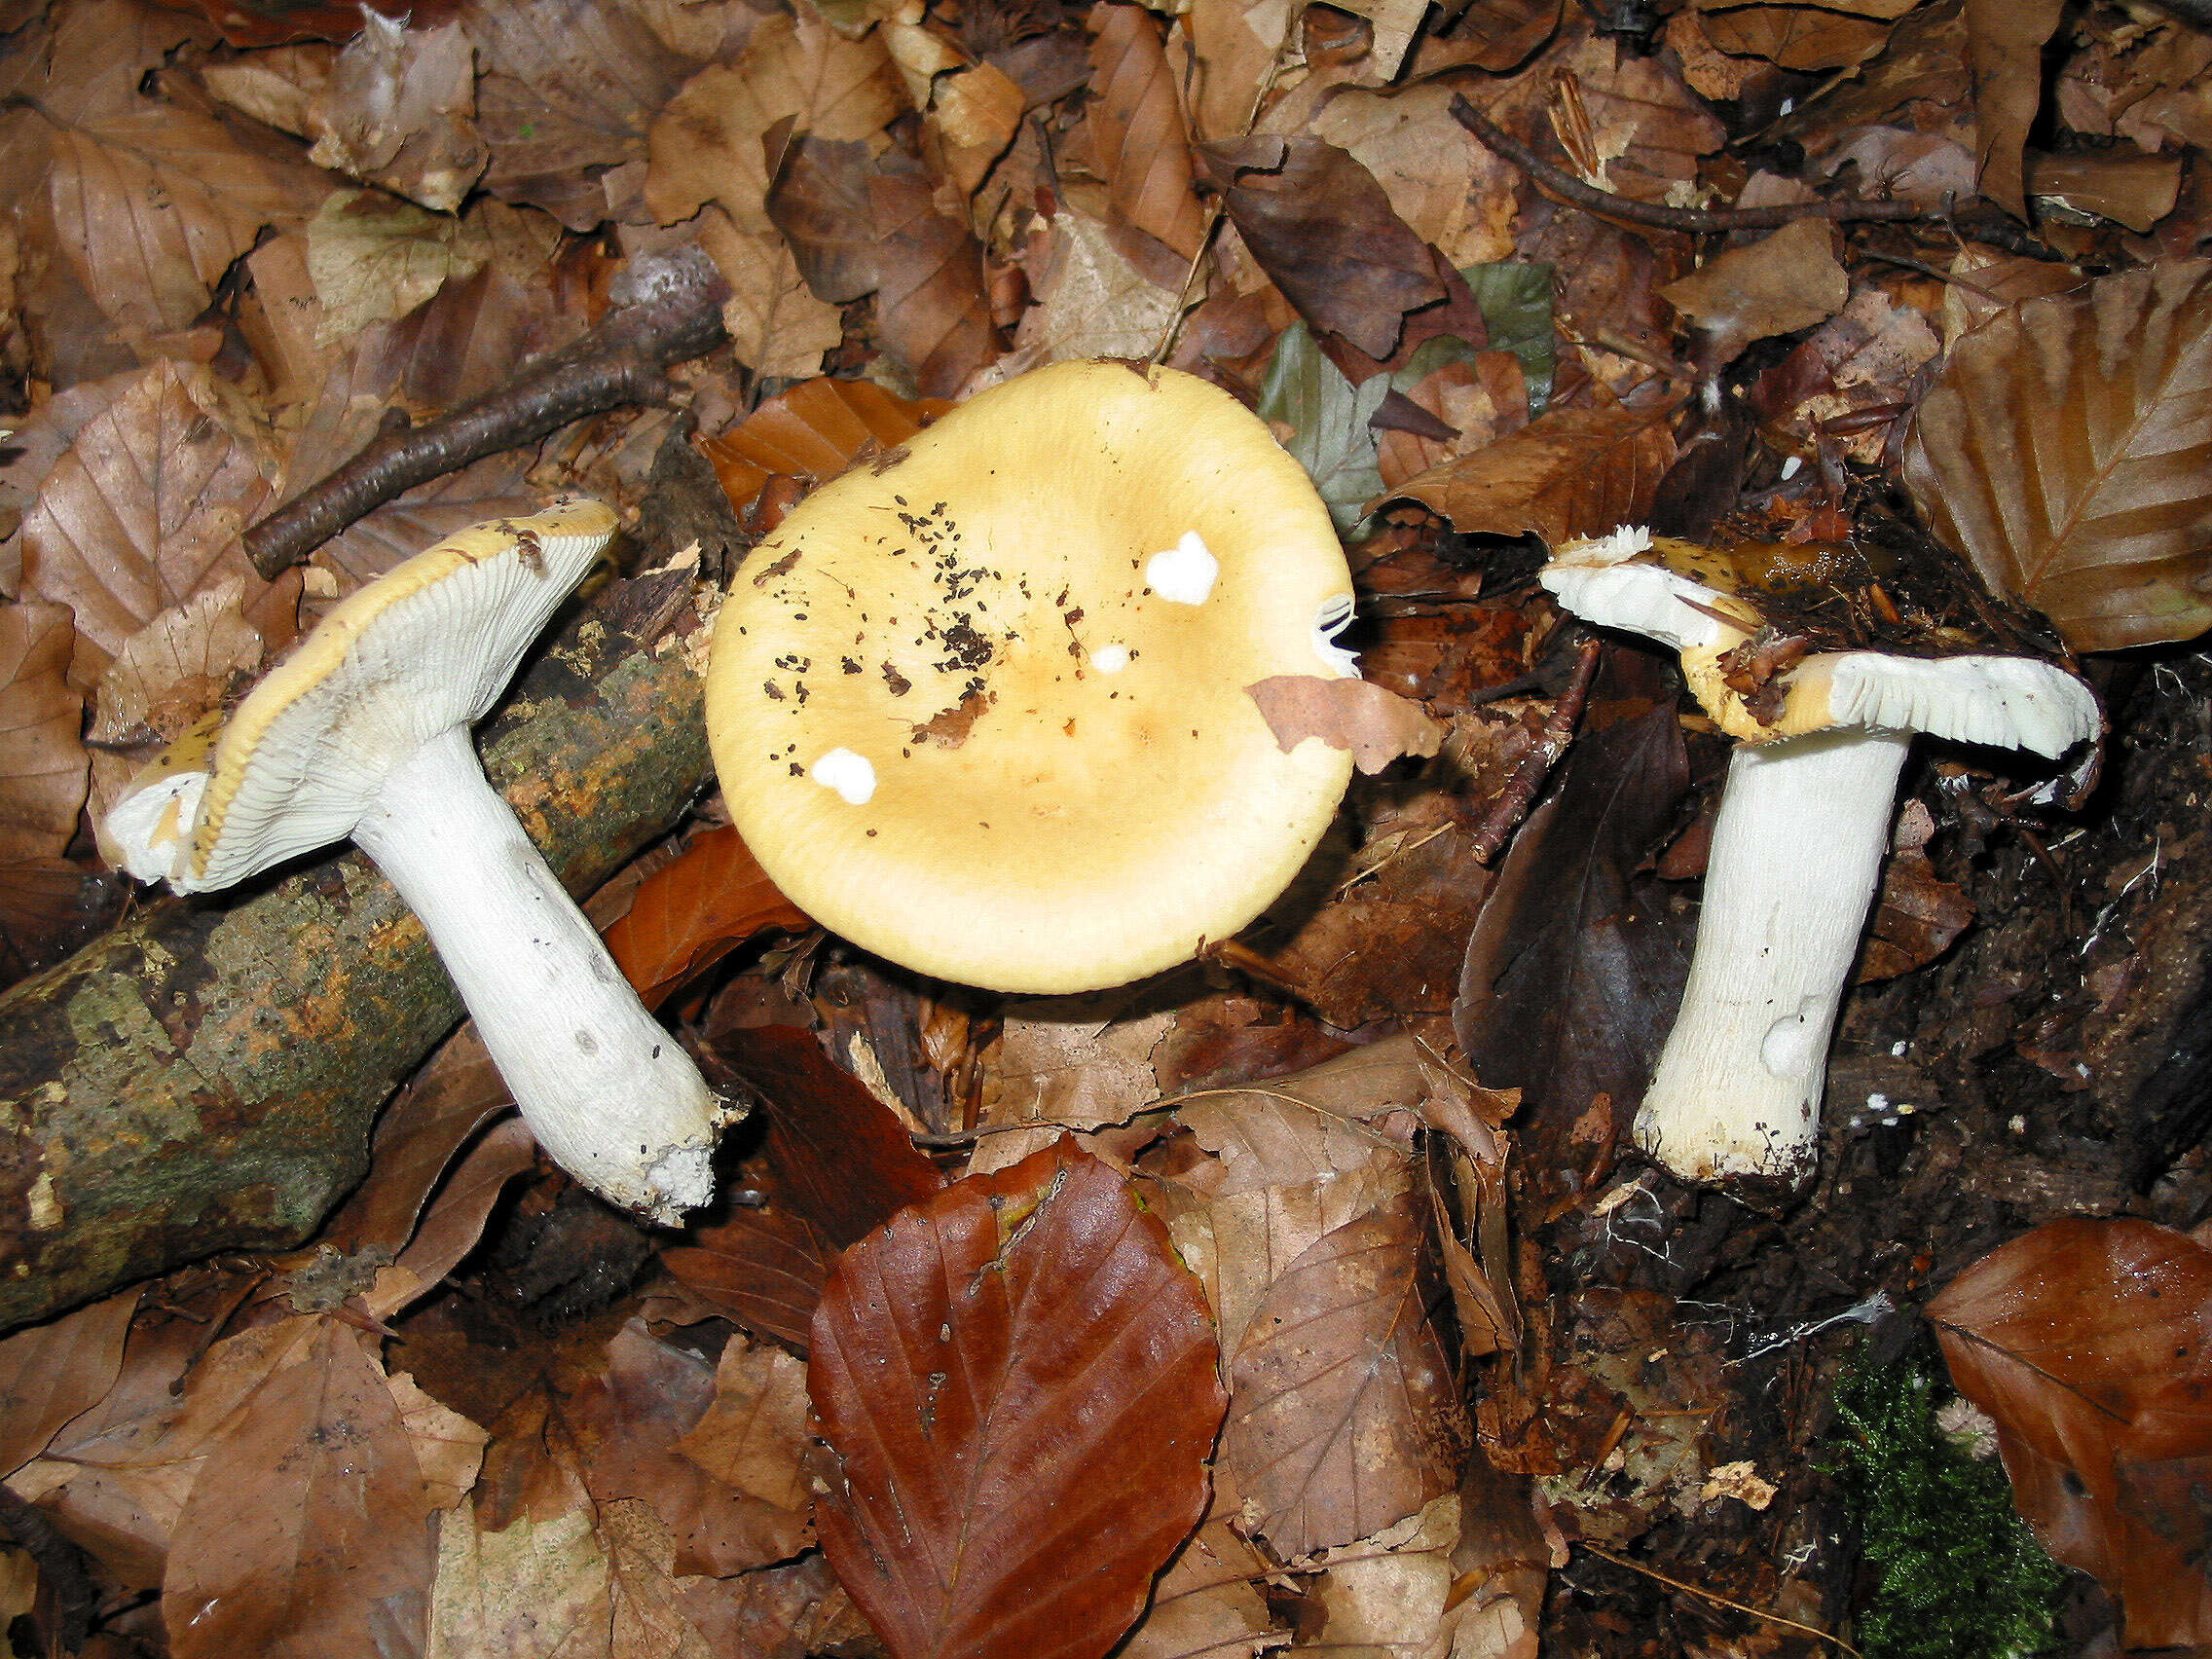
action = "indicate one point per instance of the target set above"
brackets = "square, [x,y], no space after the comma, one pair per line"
[427,646]
[980,707]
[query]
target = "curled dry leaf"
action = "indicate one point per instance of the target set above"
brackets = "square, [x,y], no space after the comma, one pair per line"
[2090,1341]
[1016,1384]
[692,912]
[754,1429]
[398,111]
[43,765]
[1376,725]
[2005,45]
[2061,451]
[1804,38]
[1573,472]
[145,510]
[1343,1416]
[1776,285]
[1137,138]
[1322,228]
[52,1373]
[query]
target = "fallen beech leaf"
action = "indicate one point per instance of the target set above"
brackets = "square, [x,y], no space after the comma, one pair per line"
[1776,285]
[1377,726]
[152,206]
[1917,914]
[2099,519]
[1090,301]
[781,1612]
[1342,1418]
[398,111]
[1330,435]
[2090,1341]
[814,431]
[2005,45]
[145,510]
[565,92]
[754,1432]
[1322,228]
[1138,136]
[43,765]
[1075,1063]
[1432,169]
[1016,1384]
[374,258]
[54,1372]
[1646,129]
[645,1607]
[1207,1598]
[706,144]
[1804,38]
[534,1589]
[633,1418]
[1388,1594]
[1573,472]
[693,911]
[454,1225]
[777,327]
[308,1527]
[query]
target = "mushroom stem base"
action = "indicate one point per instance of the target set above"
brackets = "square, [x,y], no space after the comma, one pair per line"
[612,1096]
[1797,858]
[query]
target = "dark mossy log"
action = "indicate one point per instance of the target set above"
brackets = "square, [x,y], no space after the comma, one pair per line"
[203,1076]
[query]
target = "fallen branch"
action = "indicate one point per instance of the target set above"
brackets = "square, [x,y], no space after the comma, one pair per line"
[669,307]
[1696,220]
[1520,793]
[203,1076]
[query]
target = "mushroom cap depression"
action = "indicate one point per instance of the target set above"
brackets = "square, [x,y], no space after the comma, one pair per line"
[981,705]
[426,646]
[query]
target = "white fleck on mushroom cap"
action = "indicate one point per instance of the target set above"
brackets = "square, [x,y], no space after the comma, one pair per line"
[427,646]
[1049,815]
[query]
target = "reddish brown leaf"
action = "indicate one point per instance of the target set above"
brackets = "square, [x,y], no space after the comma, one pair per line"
[689,915]
[834,1165]
[1573,472]
[308,1527]
[2062,450]
[51,1373]
[1916,917]
[1343,1415]
[1017,1381]
[2090,1341]
[1138,136]
[812,433]
[1776,285]
[2005,43]
[1324,230]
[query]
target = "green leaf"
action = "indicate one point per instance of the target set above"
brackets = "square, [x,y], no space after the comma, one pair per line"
[1328,417]
[1515,301]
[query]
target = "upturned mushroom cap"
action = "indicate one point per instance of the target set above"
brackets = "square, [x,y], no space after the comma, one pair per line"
[428,647]
[981,705]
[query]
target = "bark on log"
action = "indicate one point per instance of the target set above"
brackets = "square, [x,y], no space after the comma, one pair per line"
[204,1078]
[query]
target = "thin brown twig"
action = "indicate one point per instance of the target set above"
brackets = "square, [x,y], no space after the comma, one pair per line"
[1695,220]
[1604,1554]
[1520,793]
[676,314]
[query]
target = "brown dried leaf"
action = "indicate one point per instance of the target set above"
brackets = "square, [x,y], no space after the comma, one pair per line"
[1376,725]
[2061,451]
[1090,300]
[2088,1341]
[2005,45]
[1343,1415]
[1916,917]
[152,206]
[2134,190]
[1644,129]
[1138,136]
[1014,1377]
[374,258]
[781,1612]
[753,1432]
[534,1589]
[455,1222]
[1322,228]
[1452,192]
[1385,1597]
[400,111]
[54,1372]
[646,1606]
[1776,285]
[1569,473]
[308,1527]
[777,327]
[43,766]
[632,1418]
[693,911]
[1804,38]
[566,93]
[813,432]
[706,144]
[145,510]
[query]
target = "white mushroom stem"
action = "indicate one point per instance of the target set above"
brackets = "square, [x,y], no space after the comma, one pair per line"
[609,1094]
[1797,859]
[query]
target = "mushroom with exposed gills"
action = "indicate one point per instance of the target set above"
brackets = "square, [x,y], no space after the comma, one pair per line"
[980,705]
[1797,847]
[364,731]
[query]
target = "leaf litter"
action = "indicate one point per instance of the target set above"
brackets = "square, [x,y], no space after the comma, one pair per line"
[1314,1297]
